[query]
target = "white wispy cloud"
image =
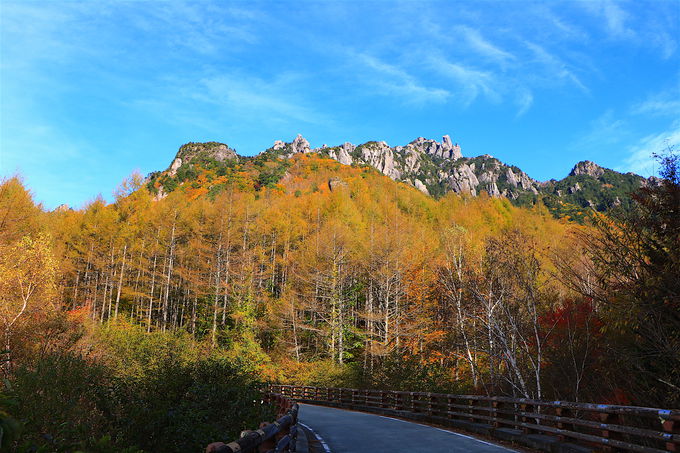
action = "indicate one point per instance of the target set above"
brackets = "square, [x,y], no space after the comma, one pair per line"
[615,17]
[663,40]
[205,28]
[552,23]
[524,101]
[471,83]
[554,65]
[653,24]
[392,80]
[605,131]
[59,33]
[666,103]
[637,147]
[220,102]
[278,98]
[483,47]
[640,158]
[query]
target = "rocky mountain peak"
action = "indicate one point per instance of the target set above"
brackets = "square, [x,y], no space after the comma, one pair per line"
[587,167]
[300,145]
[208,150]
[445,150]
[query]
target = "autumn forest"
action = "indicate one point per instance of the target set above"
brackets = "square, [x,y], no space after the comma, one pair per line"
[326,274]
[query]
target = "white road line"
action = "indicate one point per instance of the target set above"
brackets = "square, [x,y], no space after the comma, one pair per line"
[446,431]
[325,446]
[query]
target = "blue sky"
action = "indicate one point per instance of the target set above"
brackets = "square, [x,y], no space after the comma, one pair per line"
[91,91]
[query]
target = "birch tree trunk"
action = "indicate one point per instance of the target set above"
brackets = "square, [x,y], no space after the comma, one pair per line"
[120,282]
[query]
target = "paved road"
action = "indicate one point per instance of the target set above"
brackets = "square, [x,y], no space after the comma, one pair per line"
[357,432]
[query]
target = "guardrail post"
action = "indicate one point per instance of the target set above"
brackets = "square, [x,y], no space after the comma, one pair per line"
[399,403]
[563,412]
[671,427]
[524,407]
[432,404]
[280,435]
[471,410]
[497,405]
[606,418]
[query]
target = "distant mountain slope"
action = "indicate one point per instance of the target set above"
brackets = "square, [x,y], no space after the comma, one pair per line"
[432,167]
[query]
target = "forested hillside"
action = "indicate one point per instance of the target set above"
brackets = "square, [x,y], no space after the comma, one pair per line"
[330,263]
[432,167]
[302,269]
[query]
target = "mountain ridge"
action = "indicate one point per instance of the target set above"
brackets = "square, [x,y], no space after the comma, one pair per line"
[435,168]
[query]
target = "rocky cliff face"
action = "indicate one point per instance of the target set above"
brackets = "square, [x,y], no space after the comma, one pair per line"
[432,167]
[587,167]
[201,151]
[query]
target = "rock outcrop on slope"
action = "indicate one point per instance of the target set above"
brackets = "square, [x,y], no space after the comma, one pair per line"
[587,167]
[432,167]
[201,151]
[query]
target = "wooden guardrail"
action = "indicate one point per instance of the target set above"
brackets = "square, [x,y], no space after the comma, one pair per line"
[277,437]
[545,425]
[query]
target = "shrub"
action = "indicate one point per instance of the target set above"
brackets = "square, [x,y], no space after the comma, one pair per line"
[157,391]
[60,400]
[183,407]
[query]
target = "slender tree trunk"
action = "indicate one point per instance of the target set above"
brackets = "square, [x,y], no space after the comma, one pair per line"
[218,266]
[226,279]
[151,293]
[193,316]
[138,300]
[168,276]
[94,299]
[120,282]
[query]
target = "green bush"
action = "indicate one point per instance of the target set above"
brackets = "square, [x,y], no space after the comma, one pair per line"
[61,401]
[397,371]
[157,392]
[183,407]
[186,172]
[10,428]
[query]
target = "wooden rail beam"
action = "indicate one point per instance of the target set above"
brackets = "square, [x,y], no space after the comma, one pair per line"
[598,426]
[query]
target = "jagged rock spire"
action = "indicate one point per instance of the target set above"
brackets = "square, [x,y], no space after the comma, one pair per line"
[446,149]
[300,144]
[587,167]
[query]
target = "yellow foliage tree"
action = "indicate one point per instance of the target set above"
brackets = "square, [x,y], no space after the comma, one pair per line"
[27,285]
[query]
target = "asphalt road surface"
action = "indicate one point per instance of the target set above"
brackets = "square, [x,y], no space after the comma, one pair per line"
[342,431]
